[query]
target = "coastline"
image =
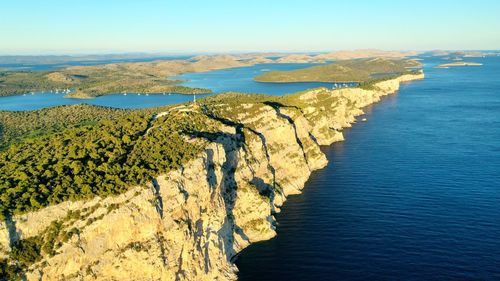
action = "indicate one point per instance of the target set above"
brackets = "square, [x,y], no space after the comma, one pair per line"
[458,64]
[188,91]
[148,77]
[202,244]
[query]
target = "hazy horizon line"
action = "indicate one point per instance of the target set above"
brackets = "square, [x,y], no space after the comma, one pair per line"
[192,52]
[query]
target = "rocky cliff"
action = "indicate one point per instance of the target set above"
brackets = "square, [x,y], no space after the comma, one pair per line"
[190,223]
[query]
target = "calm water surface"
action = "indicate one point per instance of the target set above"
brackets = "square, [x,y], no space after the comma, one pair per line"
[241,80]
[233,79]
[43,100]
[412,194]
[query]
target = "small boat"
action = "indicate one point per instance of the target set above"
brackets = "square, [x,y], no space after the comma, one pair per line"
[24,94]
[147,94]
[364,119]
[124,94]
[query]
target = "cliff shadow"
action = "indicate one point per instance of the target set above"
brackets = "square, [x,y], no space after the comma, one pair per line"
[13,240]
[158,198]
[231,144]
[263,188]
[277,108]
[10,224]
[210,167]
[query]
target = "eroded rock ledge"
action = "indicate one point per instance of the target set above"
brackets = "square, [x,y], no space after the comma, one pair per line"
[190,223]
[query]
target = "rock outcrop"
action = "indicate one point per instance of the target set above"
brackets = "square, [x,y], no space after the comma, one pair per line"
[190,223]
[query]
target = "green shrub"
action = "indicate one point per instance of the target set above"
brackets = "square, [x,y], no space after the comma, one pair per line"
[27,251]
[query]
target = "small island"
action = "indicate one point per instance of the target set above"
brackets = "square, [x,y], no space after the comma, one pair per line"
[458,63]
[360,71]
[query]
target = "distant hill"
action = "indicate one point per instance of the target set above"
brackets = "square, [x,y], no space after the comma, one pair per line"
[345,55]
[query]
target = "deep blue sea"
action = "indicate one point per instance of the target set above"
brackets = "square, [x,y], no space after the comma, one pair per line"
[411,194]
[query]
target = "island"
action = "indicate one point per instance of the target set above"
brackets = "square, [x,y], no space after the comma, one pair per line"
[135,77]
[362,71]
[171,192]
[458,63]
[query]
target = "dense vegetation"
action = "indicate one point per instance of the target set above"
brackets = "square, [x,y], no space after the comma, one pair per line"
[80,151]
[100,152]
[343,71]
[100,159]
[9,271]
[89,83]
[18,125]
[21,82]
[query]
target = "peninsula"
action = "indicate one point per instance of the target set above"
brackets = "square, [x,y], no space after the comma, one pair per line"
[172,193]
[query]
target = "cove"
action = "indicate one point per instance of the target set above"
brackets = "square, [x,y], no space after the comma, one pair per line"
[226,80]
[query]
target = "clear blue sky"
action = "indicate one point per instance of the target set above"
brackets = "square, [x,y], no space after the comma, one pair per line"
[92,26]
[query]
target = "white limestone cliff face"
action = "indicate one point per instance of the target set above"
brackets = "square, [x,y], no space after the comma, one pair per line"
[190,223]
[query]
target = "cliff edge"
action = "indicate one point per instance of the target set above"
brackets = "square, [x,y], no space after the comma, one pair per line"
[189,224]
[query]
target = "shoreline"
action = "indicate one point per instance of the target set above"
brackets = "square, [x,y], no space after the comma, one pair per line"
[97,80]
[215,220]
[458,64]
[85,96]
